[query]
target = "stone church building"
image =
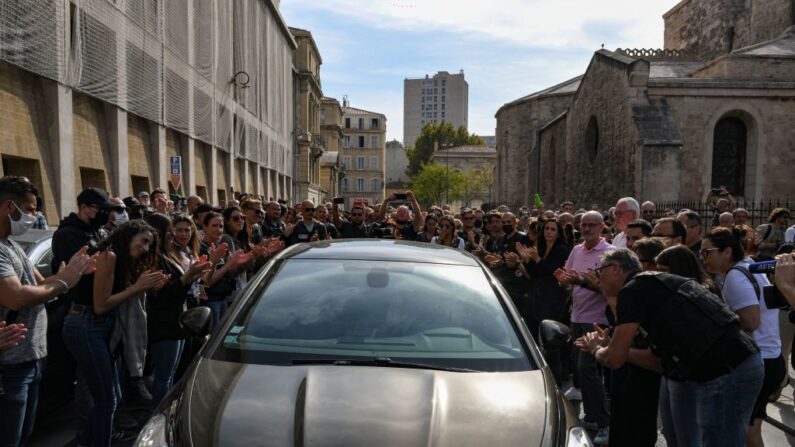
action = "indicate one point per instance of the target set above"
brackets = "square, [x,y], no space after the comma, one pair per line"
[715,107]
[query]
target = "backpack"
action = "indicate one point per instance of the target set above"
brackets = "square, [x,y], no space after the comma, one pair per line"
[693,320]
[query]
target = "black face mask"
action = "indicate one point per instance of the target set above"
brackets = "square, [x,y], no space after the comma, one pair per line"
[401,222]
[507,229]
[100,219]
[478,223]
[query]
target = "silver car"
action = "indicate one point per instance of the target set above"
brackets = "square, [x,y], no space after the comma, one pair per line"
[367,343]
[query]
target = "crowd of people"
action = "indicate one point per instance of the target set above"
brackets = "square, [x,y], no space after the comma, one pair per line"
[667,318]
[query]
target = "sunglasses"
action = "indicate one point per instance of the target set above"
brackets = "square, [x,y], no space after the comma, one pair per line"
[598,271]
[236,218]
[309,210]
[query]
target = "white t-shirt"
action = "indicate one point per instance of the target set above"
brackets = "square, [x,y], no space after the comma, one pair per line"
[789,235]
[620,240]
[460,242]
[739,293]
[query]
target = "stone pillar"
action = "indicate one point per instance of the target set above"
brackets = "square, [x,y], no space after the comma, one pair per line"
[212,177]
[117,137]
[230,173]
[189,168]
[160,159]
[258,180]
[268,193]
[244,177]
[61,131]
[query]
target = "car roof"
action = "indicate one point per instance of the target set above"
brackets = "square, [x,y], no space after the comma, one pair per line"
[32,236]
[382,250]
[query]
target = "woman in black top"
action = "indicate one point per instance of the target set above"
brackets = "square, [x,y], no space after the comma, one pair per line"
[125,268]
[429,230]
[164,306]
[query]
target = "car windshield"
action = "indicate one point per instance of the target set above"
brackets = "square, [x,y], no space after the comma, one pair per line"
[447,316]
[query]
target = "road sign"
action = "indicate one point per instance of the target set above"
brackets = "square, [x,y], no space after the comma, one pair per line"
[176,171]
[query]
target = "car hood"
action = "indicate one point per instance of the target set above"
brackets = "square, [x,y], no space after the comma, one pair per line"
[233,404]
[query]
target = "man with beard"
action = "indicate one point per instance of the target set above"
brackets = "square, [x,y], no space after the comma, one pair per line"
[505,263]
[469,232]
[354,229]
[406,226]
[273,225]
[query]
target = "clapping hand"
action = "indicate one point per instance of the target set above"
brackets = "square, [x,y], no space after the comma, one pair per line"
[239,257]
[527,253]
[567,277]
[512,259]
[218,253]
[493,261]
[149,280]
[196,270]
[592,340]
[11,334]
[80,263]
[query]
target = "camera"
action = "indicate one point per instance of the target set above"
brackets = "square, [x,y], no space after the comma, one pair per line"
[774,299]
[338,200]
[383,231]
[401,196]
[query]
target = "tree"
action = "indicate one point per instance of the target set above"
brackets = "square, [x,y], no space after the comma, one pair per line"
[435,184]
[432,134]
[477,182]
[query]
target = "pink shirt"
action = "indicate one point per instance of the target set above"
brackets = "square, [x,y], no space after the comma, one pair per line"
[587,306]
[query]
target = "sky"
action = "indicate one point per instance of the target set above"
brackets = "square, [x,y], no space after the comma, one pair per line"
[507,48]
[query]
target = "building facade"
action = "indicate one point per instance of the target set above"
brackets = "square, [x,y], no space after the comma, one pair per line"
[363,154]
[104,94]
[715,107]
[308,94]
[477,163]
[331,172]
[443,97]
[395,168]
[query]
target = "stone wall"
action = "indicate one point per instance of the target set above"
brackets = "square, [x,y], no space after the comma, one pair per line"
[553,163]
[771,141]
[517,127]
[139,142]
[92,148]
[710,28]
[606,95]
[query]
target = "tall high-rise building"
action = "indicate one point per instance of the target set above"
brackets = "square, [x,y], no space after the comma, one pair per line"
[433,99]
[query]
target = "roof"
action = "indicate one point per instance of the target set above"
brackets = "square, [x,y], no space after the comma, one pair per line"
[780,46]
[353,111]
[564,88]
[381,250]
[299,32]
[329,99]
[472,149]
[673,69]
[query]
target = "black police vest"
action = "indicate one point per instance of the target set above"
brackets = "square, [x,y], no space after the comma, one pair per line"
[690,323]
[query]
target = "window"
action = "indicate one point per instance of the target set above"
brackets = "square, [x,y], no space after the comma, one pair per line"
[443,106]
[434,82]
[346,141]
[361,140]
[435,106]
[374,141]
[435,114]
[728,155]
[442,114]
[374,164]
[359,185]
[347,123]
[435,91]
[422,107]
[360,163]
[434,98]
[443,90]
[346,162]
[345,184]
[361,123]
[443,98]
[444,82]
[375,185]
[374,123]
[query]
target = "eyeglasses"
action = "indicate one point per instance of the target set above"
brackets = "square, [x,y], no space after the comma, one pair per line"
[236,218]
[446,226]
[598,271]
[704,253]
[309,210]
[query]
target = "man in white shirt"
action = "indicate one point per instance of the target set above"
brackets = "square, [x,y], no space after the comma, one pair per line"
[627,210]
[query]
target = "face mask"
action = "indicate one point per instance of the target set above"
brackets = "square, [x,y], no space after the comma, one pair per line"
[478,223]
[25,222]
[121,218]
[401,222]
[507,229]
[100,219]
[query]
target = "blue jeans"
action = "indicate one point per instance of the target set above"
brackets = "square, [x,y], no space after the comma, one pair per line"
[18,405]
[165,358]
[679,414]
[218,309]
[86,336]
[725,404]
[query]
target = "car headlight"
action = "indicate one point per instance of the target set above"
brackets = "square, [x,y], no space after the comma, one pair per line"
[154,433]
[578,438]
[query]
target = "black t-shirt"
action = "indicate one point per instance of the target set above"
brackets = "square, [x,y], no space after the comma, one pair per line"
[348,230]
[332,230]
[641,302]
[407,233]
[272,228]
[303,234]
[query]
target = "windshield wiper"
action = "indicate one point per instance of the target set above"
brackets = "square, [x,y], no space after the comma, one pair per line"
[379,361]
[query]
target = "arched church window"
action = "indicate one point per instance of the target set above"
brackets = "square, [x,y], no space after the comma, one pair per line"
[592,139]
[728,155]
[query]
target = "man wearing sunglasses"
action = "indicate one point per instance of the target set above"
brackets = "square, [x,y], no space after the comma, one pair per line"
[307,229]
[353,229]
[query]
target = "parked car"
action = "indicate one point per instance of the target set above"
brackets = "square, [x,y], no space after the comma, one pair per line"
[56,388]
[361,343]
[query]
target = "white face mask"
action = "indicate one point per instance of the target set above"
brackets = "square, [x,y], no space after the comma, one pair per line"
[25,222]
[121,218]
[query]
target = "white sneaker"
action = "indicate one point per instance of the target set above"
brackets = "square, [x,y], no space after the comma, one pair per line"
[602,436]
[573,394]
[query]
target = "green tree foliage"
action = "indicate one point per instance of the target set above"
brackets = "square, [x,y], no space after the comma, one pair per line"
[443,134]
[436,184]
[477,183]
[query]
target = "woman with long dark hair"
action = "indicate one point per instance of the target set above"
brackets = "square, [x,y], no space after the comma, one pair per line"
[722,253]
[447,234]
[164,306]
[125,268]
[548,300]
[429,229]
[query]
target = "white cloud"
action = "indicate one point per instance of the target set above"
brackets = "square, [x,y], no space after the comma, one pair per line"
[536,23]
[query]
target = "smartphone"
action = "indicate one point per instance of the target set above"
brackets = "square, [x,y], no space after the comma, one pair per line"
[401,196]
[338,200]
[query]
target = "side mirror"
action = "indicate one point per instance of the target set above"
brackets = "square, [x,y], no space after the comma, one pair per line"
[554,335]
[196,321]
